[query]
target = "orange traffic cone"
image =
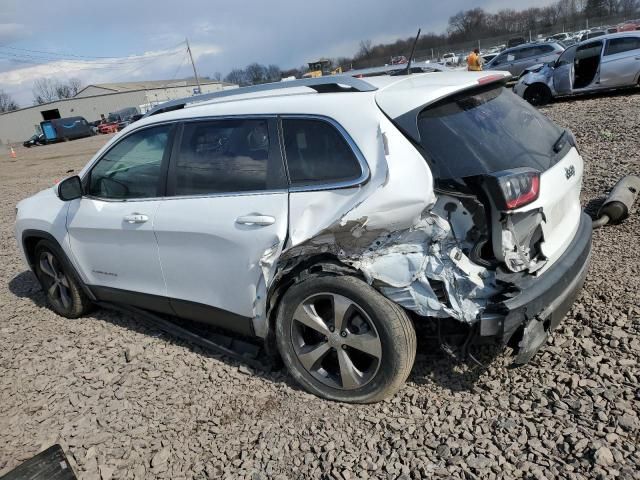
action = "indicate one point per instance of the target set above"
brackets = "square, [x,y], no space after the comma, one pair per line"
[13,153]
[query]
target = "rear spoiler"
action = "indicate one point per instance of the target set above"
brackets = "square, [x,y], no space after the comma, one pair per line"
[408,122]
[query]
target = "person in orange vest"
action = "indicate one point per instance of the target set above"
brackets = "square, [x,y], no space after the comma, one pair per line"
[474,62]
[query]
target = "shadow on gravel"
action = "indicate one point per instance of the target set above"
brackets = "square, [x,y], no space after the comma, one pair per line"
[432,364]
[25,285]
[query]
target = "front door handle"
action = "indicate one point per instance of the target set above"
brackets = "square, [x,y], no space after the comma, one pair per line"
[256,219]
[136,218]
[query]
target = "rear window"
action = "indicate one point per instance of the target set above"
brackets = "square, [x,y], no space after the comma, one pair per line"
[623,44]
[486,131]
[317,153]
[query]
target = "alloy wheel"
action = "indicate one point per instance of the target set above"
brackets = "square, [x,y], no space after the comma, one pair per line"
[55,280]
[336,341]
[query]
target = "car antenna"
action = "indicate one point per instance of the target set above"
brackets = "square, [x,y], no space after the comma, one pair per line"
[413,49]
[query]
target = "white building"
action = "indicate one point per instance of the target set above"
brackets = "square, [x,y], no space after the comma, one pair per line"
[95,101]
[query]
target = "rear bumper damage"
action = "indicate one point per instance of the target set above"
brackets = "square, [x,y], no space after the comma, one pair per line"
[534,306]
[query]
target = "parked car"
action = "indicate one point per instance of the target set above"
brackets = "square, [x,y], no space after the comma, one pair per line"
[515,41]
[328,222]
[450,59]
[517,59]
[629,26]
[487,57]
[36,139]
[559,37]
[399,60]
[608,62]
[589,35]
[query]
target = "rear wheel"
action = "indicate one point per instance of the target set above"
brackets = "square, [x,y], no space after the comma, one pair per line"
[537,95]
[342,340]
[60,285]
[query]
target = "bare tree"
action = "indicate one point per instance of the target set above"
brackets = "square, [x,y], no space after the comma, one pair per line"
[628,7]
[44,91]
[256,73]
[75,85]
[217,76]
[273,73]
[7,104]
[365,49]
[237,76]
[48,90]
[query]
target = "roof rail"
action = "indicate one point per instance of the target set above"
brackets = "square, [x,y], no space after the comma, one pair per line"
[333,83]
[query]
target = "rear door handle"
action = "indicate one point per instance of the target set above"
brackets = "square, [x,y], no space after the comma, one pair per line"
[136,218]
[256,219]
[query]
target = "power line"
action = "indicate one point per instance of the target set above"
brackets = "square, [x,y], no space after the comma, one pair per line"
[179,67]
[90,57]
[88,65]
[123,61]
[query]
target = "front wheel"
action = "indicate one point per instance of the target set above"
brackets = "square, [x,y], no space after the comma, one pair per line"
[342,340]
[537,95]
[61,287]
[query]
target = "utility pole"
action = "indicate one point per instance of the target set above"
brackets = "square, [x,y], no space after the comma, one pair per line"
[195,73]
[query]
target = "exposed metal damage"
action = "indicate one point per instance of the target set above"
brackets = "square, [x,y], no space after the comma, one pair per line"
[520,236]
[422,267]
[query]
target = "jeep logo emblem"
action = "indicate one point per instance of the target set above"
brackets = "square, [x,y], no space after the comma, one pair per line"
[569,172]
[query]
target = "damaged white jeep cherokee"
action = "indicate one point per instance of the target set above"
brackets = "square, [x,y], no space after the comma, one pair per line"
[328,216]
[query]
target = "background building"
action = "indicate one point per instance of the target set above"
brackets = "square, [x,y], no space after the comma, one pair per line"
[95,101]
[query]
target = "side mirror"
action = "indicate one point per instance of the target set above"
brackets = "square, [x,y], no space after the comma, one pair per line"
[70,188]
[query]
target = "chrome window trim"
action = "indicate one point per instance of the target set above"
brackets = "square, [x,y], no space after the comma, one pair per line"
[364,167]
[186,197]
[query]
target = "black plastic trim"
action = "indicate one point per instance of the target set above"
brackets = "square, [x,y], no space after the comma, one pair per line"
[550,295]
[172,306]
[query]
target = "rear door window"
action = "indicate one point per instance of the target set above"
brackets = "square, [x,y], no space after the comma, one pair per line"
[486,131]
[620,45]
[227,156]
[317,153]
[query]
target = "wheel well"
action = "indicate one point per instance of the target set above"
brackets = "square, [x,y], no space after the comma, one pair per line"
[295,270]
[539,85]
[30,239]
[29,242]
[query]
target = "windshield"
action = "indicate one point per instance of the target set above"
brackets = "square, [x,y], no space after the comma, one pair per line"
[486,131]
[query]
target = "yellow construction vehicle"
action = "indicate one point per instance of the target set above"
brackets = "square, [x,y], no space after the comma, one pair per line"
[320,68]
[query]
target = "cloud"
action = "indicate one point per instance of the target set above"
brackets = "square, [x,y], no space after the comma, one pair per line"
[152,64]
[288,33]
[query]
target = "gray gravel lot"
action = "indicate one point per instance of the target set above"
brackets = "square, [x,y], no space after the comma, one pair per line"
[170,410]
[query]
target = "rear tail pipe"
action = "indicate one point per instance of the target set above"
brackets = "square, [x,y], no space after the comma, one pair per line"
[619,202]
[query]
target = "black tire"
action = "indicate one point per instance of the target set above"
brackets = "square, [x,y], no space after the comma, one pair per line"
[59,282]
[369,317]
[537,95]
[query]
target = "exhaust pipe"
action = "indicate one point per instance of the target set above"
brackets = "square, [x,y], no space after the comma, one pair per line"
[619,202]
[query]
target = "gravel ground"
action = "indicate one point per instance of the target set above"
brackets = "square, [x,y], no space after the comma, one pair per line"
[126,401]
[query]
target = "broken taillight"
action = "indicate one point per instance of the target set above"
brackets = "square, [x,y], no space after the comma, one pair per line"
[518,187]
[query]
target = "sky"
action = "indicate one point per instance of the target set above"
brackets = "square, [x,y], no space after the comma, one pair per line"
[134,40]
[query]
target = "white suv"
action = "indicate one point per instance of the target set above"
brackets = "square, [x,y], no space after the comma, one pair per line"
[328,216]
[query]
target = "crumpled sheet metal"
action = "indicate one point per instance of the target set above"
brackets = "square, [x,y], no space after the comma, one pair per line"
[401,264]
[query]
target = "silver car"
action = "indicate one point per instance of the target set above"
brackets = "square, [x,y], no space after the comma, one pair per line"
[604,63]
[517,59]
